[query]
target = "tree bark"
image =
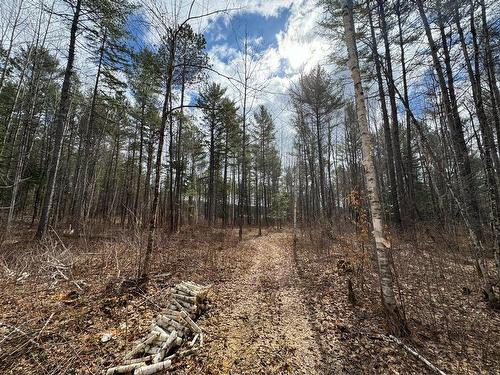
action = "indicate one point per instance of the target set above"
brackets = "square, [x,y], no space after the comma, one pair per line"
[396,146]
[61,116]
[410,171]
[395,318]
[145,262]
[454,124]
[243,182]
[396,216]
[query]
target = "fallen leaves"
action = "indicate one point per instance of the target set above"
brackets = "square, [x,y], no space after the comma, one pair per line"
[275,311]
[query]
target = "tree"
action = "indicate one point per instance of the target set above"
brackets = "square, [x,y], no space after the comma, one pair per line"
[212,101]
[192,60]
[385,122]
[168,53]
[144,80]
[395,318]
[453,120]
[61,116]
[230,130]
[265,154]
[316,91]
[396,147]
[104,38]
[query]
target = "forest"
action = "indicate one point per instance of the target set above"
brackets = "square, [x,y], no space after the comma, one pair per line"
[249,187]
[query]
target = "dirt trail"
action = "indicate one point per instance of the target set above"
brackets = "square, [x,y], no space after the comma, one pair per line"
[265,327]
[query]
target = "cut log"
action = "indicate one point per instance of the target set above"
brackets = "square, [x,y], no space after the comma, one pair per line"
[188,319]
[169,331]
[165,347]
[163,321]
[194,339]
[188,306]
[199,293]
[142,346]
[152,349]
[174,315]
[154,368]
[187,299]
[137,360]
[159,329]
[184,289]
[125,368]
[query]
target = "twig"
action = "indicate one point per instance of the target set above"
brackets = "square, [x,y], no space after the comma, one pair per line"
[45,325]
[417,355]
[21,332]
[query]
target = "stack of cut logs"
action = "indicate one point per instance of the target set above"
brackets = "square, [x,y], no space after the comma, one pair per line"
[172,329]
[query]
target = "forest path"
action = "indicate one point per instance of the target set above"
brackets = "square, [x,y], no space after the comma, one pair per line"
[262,325]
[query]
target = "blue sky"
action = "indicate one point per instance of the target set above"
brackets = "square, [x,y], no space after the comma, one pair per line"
[285,42]
[257,25]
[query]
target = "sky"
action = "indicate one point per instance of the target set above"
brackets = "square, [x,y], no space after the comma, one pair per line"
[283,41]
[282,35]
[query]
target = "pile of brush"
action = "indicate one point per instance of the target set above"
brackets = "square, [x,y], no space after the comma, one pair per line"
[173,329]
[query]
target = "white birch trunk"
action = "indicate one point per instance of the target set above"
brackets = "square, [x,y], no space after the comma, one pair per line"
[395,320]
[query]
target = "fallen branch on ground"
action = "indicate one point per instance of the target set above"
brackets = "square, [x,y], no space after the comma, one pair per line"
[417,355]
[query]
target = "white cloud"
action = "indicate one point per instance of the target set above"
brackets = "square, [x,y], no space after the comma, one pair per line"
[171,11]
[296,47]
[300,43]
[299,48]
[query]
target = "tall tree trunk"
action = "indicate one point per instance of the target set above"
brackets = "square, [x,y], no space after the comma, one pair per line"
[395,318]
[224,187]
[410,172]
[396,146]
[82,192]
[490,72]
[331,200]
[320,164]
[61,116]
[145,262]
[171,211]
[489,154]
[430,156]
[147,178]
[137,214]
[243,182]
[396,216]
[27,127]
[455,126]
[180,165]
[211,177]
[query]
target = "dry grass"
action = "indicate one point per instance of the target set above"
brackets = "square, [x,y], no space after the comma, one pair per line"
[451,324]
[60,297]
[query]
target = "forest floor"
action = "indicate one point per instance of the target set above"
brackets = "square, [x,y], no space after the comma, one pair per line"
[263,325]
[277,308]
